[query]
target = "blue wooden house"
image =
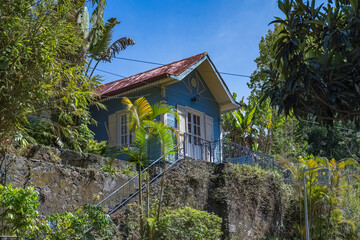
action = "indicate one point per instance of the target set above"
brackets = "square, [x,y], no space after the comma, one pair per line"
[192,86]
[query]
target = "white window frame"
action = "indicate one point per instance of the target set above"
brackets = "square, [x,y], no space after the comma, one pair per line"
[116,135]
[201,116]
[129,138]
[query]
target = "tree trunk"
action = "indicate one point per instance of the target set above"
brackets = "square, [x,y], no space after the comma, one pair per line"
[141,205]
[161,192]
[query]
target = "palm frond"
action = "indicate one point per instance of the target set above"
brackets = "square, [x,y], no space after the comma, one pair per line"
[98,12]
[143,108]
[141,137]
[159,109]
[138,151]
[164,134]
[116,47]
[138,111]
[102,40]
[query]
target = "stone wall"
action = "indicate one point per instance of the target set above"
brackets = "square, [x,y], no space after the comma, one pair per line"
[64,179]
[253,203]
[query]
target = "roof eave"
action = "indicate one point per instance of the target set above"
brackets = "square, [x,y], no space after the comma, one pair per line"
[223,84]
[148,82]
[229,106]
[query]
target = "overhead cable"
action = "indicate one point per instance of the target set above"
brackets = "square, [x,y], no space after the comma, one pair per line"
[160,64]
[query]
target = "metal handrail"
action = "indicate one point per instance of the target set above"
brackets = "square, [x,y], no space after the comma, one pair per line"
[133,194]
[125,201]
[201,148]
[132,179]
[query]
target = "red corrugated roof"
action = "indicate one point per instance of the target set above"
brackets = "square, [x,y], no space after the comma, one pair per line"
[141,79]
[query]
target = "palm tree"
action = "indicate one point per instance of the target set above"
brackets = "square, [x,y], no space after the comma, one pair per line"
[98,38]
[142,122]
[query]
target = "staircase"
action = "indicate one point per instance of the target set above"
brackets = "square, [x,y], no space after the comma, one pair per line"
[226,151]
[221,150]
[122,195]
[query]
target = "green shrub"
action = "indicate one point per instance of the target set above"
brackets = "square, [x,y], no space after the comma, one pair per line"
[187,223]
[95,147]
[129,170]
[18,212]
[20,218]
[75,225]
[108,166]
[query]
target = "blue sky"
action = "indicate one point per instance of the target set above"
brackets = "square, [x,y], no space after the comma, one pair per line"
[167,31]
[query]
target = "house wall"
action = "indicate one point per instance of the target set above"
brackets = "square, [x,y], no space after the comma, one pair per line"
[114,105]
[182,92]
[179,93]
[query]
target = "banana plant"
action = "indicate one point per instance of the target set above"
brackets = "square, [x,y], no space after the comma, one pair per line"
[238,124]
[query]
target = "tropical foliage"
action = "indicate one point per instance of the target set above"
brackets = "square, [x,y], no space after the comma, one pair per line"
[339,142]
[41,68]
[187,223]
[19,217]
[98,38]
[329,214]
[45,86]
[257,125]
[238,124]
[317,60]
[295,136]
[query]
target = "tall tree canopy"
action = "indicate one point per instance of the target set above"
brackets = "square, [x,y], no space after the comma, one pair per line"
[41,62]
[44,49]
[317,60]
[295,135]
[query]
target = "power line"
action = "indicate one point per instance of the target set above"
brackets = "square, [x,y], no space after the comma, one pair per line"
[160,64]
[234,74]
[99,70]
[140,61]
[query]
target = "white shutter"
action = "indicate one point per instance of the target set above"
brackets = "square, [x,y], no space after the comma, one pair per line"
[182,118]
[202,126]
[209,125]
[181,126]
[209,136]
[112,130]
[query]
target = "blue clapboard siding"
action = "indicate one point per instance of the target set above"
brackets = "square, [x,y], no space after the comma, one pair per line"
[182,92]
[114,105]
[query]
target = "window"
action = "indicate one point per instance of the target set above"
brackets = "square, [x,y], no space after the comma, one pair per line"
[124,136]
[118,132]
[194,128]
